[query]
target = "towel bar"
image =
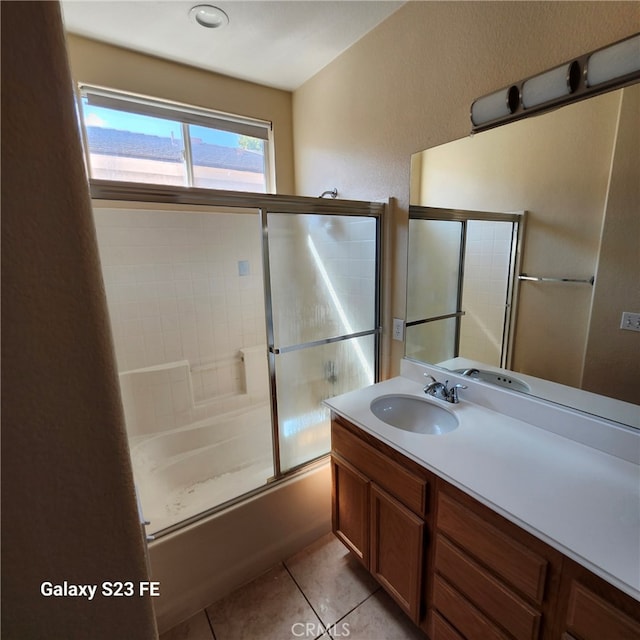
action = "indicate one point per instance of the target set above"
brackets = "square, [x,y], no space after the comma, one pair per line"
[524,276]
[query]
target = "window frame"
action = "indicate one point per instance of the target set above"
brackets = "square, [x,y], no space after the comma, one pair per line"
[185,115]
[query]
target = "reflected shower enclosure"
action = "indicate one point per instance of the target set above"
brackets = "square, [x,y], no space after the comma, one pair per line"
[231,325]
[461,284]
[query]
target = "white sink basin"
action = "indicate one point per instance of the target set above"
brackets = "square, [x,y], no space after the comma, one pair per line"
[413,414]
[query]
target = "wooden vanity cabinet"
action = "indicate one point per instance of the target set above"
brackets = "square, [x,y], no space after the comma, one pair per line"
[380,502]
[397,543]
[457,568]
[491,579]
[592,609]
[350,508]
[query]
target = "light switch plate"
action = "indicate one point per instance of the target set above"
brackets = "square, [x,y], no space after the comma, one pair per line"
[398,329]
[630,321]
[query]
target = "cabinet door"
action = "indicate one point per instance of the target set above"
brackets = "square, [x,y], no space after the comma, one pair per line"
[592,617]
[397,539]
[350,508]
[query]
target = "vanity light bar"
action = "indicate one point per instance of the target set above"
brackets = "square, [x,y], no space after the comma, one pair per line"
[602,70]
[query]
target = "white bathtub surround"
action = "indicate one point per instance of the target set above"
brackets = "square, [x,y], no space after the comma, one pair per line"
[190,456]
[183,472]
[201,563]
[568,478]
[163,397]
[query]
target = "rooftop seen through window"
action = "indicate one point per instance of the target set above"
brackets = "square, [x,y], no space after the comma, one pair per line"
[158,146]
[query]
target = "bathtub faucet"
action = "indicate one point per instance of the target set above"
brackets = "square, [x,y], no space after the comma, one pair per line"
[330,372]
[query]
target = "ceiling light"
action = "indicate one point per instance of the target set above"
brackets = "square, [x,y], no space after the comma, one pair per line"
[206,15]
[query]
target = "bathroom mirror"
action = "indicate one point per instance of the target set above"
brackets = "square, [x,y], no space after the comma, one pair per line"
[575,172]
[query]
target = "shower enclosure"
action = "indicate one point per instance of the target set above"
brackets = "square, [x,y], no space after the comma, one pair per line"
[462,285]
[233,317]
[322,302]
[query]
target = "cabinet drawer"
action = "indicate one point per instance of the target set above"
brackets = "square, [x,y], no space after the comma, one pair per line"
[589,617]
[442,630]
[470,622]
[409,488]
[486,592]
[514,563]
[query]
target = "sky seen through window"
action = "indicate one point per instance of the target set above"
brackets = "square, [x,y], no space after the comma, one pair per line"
[135,123]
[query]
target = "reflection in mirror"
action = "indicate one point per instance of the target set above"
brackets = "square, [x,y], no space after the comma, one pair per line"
[575,171]
[461,284]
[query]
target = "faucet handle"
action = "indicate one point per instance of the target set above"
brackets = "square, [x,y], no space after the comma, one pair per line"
[453,392]
[429,385]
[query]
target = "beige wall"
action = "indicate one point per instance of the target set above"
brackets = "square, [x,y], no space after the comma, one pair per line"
[116,68]
[617,287]
[68,503]
[408,85]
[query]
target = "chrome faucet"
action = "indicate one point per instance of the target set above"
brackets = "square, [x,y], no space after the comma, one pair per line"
[470,372]
[442,391]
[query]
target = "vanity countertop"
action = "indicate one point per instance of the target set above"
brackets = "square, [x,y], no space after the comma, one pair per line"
[583,502]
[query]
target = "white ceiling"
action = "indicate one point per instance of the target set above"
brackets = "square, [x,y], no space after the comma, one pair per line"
[279,44]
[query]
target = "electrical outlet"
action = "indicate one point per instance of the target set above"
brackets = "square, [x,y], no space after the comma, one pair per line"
[630,321]
[398,329]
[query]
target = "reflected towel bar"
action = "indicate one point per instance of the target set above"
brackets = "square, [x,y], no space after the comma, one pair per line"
[524,276]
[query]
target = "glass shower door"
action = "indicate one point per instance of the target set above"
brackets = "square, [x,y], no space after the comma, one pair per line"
[434,289]
[323,334]
[461,285]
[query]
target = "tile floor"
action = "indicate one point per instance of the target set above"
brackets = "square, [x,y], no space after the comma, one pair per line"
[321,592]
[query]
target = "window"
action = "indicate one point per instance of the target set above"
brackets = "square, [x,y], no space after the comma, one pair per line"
[135,139]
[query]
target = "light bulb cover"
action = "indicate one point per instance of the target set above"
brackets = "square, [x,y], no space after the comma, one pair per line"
[495,106]
[551,85]
[616,61]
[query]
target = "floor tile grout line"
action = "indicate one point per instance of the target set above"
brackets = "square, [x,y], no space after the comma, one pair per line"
[213,632]
[327,628]
[358,605]
[304,595]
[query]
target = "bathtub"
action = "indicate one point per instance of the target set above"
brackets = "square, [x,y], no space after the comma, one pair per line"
[187,470]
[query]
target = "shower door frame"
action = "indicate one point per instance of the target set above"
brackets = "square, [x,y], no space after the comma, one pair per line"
[108,190]
[354,209]
[463,216]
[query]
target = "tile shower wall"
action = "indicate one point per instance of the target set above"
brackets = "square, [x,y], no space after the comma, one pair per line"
[486,276]
[348,252]
[184,286]
[329,262]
